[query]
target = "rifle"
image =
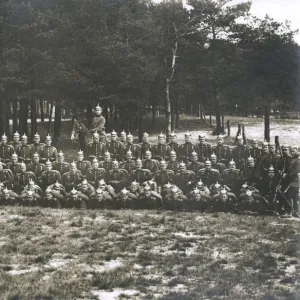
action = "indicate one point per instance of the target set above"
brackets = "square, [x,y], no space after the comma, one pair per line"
[287,201]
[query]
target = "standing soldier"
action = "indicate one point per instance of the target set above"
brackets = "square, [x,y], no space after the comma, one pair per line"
[94,174]
[116,177]
[61,166]
[231,178]
[96,149]
[135,149]
[195,165]
[98,122]
[72,178]
[16,141]
[174,146]
[248,173]
[115,147]
[145,145]
[140,175]
[36,167]
[6,176]
[173,164]
[123,138]
[14,165]
[107,163]
[47,151]
[163,176]
[208,175]
[186,149]
[254,151]
[49,176]
[82,165]
[151,164]
[240,153]
[36,143]
[222,151]
[24,151]
[217,165]
[161,150]
[203,149]
[6,150]
[22,178]
[185,178]
[129,163]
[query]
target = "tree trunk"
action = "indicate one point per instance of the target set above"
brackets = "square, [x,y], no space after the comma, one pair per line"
[228,128]
[177,111]
[140,126]
[172,114]
[15,114]
[33,118]
[210,113]
[50,117]
[267,123]
[41,102]
[23,125]
[89,115]
[2,127]
[57,122]
[153,114]
[168,109]
[223,125]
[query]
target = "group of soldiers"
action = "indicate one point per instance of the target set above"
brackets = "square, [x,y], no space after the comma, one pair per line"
[122,174]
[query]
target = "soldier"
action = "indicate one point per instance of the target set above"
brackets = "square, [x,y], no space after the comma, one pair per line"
[145,145]
[203,149]
[6,151]
[82,165]
[86,188]
[198,200]
[152,184]
[202,187]
[94,174]
[163,176]
[24,151]
[175,200]
[248,173]
[254,151]
[13,165]
[100,200]
[208,175]
[36,143]
[185,178]
[107,164]
[174,146]
[96,149]
[223,202]
[49,176]
[139,174]
[115,147]
[186,149]
[61,166]
[8,197]
[36,167]
[123,138]
[134,148]
[98,122]
[73,178]
[240,153]
[22,178]
[76,199]
[161,151]
[16,141]
[116,177]
[231,177]
[292,177]
[106,188]
[216,165]
[6,176]
[47,151]
[263,155]
[124,199]
[195,165]
[135,189]
[58,187]
[31,186]
[173,164]
[129,163]
[222,152]
[53,199]
[149,199]
[151,164]
[30,199]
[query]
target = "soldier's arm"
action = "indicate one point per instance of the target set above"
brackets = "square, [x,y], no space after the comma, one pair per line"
[156,195]
[58,195]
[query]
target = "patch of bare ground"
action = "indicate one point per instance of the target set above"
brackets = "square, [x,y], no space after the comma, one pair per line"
[66,254]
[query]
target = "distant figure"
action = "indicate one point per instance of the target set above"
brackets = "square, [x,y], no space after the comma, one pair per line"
[99,123]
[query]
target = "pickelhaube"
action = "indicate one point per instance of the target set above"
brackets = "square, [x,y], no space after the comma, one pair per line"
[232,163]
[74,192]
[194,153]
[4,137]
[172,153]
[61,154]
[172,134]
[84,182]
[48,162]
[200,183]
[129,152]
[196,191]
[24,136]
[115,162]
[80,152]
[16,134]
[182,164]
[6,191]
[145,134]
[124,191]
[249,193]
[48,137]
[129,135]
[250,159]
[223,192]
[36,135]
[188,134]
[29,193]
[73,164]
[239,137]
[106,153]
[113,133]
[138,160]
[36,154]
[148,152]
[123,133]
[14,155]
[31,182]
[213,156]
[98,106]
[95,160]
[134,183]
[147,188]
[161,135]
[271,169]
[95,134]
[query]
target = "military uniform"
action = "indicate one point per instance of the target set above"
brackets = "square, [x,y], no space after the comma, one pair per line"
[116,150]
[174,147]
[208,177]
[36,146]
[135,150]
[268,160]
[96,150]
[218,204]
[94,175]
[25,153]
[253,203]
[161,151]
[248,174]
[105,202]
[117,178]
[254,152]
[162,177]
[61,167]
[175,202]
[185,151]
[48,153]
[129,166]
[173,166]
[50,177]
[22,179]
[145,146]
[79,202]
[140,175]
[184,180]
[15,168]
[14,144]
[151,164]
[239,155]
[223,153]
[195,166]
[203,151]
[106,165]
[98,125]
[37,169]
[7,177]
[232,179]
[219,166]
[149,202]
[70,180]
[57,200]
[83,166]
[6,152]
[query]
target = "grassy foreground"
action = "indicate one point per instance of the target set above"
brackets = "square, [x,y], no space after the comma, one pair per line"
[71,254]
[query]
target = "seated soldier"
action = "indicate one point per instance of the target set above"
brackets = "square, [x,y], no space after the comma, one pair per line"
[149,199]
[61,166]
[36,167]
[24,151]
[16,141]
[96,149]
[58,187]
[185,179]
[163,176]
[107,164]
[135,189]
[22,178]
[202,187]
[47,151]
[253,203]
[175,199]
[150,164]
[216,165]
[215,189]
[81,164]
[134,148]
[32,186]
[6,151]
[198,201]
[139,174]
[71,179]
[240,152]
[76,199]
[248,173]
[222,151]
[36,143]
[194,165]
[14,165]
[116,177]
[208,175]
[231,178]
[223,202]
[106,188]
[53,199]
[173,164]
[8,197]
[152,184]
[30,198]
[124,199]
[100,200]
[94,174]
[49,176]
[129,163]
[86,188]
[6,176]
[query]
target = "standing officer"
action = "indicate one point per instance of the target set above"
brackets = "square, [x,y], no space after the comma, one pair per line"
[98,122]
[115,147]
[6,150]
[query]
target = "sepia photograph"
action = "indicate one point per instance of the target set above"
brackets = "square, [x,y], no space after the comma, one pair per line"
[149,149]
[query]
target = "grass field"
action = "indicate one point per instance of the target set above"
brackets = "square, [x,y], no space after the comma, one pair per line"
[72,254]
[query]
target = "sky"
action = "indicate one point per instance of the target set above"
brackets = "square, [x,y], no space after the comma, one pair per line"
[280,10]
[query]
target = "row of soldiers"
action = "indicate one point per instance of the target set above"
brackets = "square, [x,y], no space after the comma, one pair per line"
[172,175]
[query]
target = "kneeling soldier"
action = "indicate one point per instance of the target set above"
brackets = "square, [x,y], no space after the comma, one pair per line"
[149,199]
[53,199]
[223,202]
[77,200]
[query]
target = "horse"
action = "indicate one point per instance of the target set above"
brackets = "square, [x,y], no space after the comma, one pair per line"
[82,133]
